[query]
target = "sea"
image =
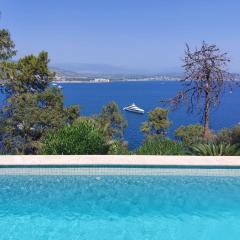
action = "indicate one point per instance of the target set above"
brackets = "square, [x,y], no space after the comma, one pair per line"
[91,97]
[147,95]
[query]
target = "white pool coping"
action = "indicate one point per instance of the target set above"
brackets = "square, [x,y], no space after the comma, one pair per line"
[122,160]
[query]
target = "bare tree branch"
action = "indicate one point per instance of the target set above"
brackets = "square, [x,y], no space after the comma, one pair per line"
[206,78]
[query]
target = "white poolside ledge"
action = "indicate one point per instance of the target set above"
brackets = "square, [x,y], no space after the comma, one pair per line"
[131,160]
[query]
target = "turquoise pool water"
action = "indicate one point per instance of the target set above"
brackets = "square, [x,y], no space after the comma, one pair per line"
[119,207]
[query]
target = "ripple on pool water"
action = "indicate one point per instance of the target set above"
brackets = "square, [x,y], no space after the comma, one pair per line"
[123,207]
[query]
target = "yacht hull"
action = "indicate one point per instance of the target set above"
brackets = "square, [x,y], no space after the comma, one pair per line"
[134,111]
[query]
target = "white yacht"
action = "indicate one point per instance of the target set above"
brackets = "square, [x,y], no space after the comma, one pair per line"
[56,85]
[134,108]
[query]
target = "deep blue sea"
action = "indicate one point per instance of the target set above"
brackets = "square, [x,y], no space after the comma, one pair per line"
[147,95]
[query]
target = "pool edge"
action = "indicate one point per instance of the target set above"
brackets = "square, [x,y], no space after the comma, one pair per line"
[118,160]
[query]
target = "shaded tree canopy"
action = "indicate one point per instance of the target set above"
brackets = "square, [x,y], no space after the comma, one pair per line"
[206,77]
[32,106]
[111,121]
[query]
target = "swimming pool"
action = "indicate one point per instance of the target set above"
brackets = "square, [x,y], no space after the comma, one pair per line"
[130,206]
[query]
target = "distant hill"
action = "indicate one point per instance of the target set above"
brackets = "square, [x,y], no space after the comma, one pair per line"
[107,73]
[70,76]
[85,68]
[88,72]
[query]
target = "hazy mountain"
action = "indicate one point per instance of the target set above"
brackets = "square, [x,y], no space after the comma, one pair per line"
[85,68]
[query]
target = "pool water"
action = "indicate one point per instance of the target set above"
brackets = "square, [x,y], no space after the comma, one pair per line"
[119,207]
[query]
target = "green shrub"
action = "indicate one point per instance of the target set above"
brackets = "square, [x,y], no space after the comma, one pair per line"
[160,146]
[214,149]
[191,134]
[79,138]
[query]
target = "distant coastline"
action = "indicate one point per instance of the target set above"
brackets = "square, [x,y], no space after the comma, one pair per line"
[122,80]
[114,81]
[65,76]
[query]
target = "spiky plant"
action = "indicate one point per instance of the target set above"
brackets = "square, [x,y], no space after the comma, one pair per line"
[213,149]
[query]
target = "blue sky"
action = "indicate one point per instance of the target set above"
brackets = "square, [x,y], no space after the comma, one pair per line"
[149,35]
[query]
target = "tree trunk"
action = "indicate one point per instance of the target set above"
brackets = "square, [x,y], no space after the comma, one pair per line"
[206,131]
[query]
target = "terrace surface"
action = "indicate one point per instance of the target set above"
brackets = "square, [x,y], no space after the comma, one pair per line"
[130,160]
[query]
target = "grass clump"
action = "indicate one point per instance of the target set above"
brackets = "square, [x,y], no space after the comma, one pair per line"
[160,146]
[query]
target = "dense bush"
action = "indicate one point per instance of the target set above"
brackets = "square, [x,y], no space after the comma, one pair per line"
[214,149]
[160,146]
[229,135]
[79,138]
[191,134]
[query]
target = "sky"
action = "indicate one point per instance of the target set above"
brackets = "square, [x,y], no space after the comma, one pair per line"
[137,34]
